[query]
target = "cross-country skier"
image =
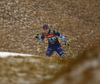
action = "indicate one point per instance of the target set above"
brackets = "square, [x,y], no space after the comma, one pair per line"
[53,43]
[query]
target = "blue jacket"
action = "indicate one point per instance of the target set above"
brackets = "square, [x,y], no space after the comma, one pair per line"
[51,37]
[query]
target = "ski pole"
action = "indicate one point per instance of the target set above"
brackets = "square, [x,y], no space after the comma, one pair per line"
[71,51]
[37,36]
[38,47]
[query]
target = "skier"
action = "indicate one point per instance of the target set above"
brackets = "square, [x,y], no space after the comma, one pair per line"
[53,43]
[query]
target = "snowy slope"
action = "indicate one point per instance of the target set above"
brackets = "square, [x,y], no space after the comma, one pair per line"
[17,68]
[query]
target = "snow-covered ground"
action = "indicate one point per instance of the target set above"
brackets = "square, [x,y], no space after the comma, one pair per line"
[6,54]
[28,68]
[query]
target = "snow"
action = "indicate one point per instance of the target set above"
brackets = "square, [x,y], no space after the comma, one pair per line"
[51,66]
[6,54]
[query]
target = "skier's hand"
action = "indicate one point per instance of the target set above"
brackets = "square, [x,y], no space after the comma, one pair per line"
[67,44]
[37,36]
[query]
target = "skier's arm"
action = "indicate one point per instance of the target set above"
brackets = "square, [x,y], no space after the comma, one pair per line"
[61,36]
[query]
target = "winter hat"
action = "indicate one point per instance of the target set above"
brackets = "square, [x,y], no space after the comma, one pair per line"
[45,27]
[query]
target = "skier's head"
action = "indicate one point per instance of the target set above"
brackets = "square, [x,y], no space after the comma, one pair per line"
[46,28]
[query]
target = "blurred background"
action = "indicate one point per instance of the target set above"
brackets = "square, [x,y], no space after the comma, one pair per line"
[21,20]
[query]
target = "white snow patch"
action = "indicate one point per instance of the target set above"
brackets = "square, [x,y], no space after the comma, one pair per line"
[21,74]
[34,60]
[39,76]
[6,54]
[48,77]
[51,66]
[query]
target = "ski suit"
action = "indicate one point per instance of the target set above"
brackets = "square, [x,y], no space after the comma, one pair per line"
[53,43]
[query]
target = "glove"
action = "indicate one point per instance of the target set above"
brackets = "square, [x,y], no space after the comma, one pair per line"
[67,44]
[37,36]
